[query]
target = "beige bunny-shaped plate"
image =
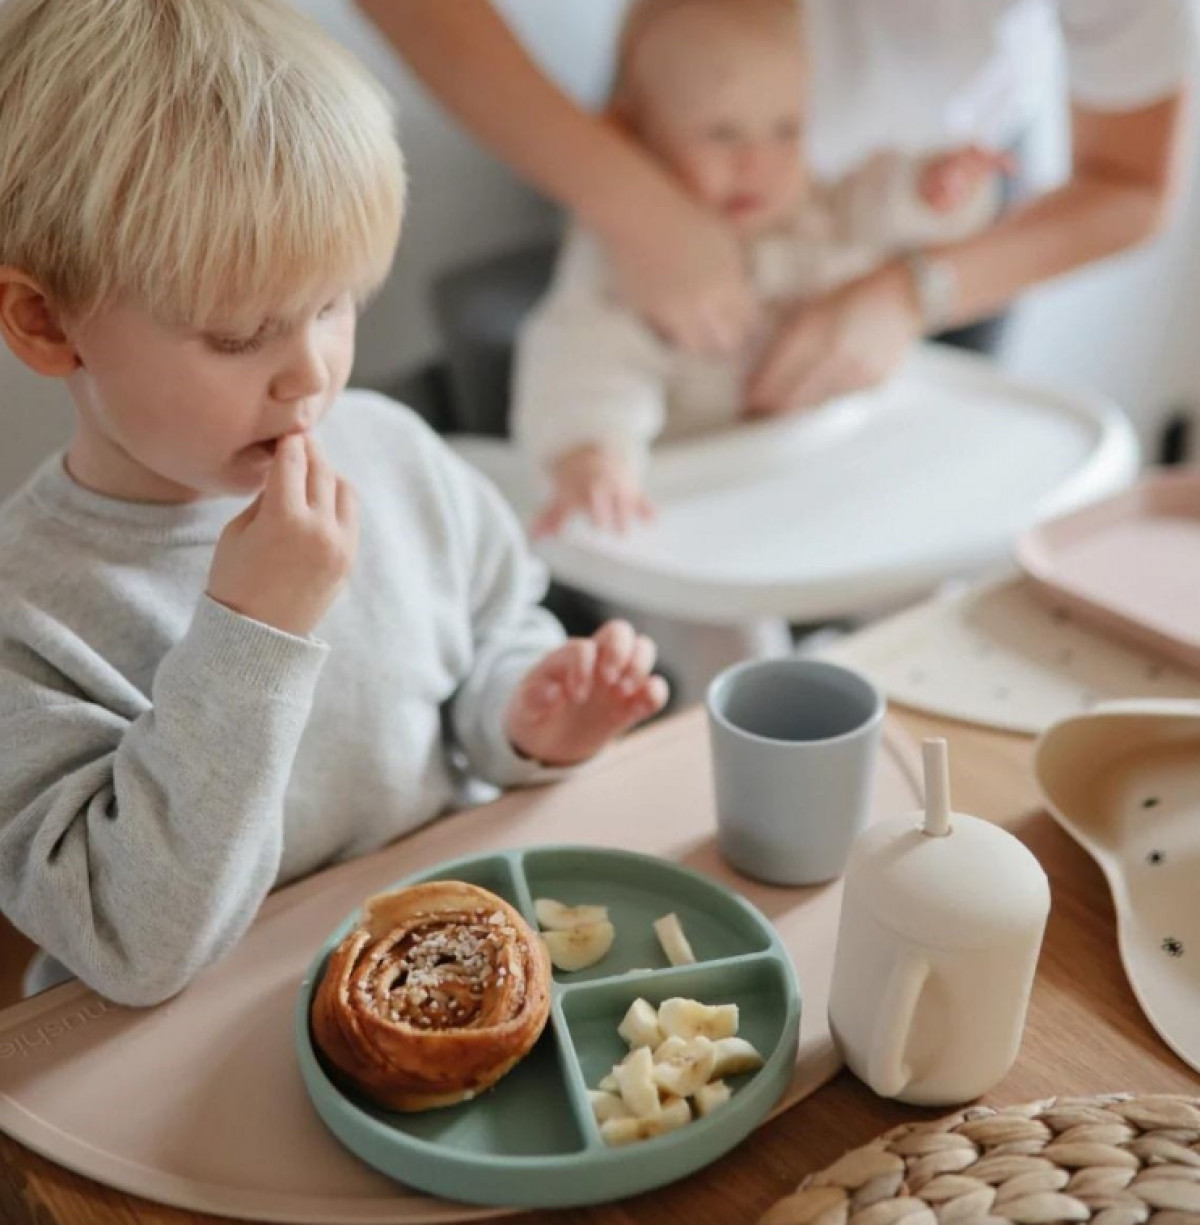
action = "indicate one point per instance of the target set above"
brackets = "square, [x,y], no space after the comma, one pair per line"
[1124,781]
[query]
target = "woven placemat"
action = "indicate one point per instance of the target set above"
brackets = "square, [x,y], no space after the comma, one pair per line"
[1114,1160]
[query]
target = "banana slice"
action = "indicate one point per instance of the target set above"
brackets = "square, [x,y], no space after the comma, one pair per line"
[635,1079]
[609,1084]
[556,917]
[709,1097]
[640,1026]
[674,943]
[692,1019]
[579,947]
[675,1113]
[735,1055]
[669,1048]
[687,1071]
[607,1106]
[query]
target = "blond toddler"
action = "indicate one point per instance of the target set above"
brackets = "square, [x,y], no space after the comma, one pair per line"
[251,623]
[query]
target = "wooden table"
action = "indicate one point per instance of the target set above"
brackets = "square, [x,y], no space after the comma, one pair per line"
[1086,1034]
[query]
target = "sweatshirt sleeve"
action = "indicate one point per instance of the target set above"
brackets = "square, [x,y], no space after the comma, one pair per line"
[137,839]
[587,369]
[510,633]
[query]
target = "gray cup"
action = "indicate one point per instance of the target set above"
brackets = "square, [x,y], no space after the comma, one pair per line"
[793,751]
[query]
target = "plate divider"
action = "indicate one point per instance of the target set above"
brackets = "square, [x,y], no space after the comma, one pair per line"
[576,1086]
[516,867]
[658,973]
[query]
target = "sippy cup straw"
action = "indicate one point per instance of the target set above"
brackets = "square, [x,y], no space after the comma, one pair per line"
[937,788]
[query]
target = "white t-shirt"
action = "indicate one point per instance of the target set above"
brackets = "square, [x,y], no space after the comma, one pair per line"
[916,75]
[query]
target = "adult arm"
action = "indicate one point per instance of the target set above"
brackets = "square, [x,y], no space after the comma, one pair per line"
[678,263]
[1129,63]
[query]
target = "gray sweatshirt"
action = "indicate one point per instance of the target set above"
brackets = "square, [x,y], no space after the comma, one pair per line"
[165,762]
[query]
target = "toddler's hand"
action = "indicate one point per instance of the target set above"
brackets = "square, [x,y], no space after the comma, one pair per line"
[596,481]
[284,558]
[584,694]
[948,181]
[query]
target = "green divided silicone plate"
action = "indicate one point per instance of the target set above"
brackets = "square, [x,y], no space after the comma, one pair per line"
[531,1142]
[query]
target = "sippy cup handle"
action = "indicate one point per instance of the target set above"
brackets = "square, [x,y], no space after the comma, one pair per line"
[887,1073]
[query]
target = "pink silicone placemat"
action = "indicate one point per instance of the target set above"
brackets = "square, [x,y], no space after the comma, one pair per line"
[1129,564]
[198,1103]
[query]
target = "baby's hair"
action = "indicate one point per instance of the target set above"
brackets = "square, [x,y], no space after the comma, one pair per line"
[208,159]
[642,14]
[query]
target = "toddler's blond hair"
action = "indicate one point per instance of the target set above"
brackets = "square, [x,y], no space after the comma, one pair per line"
[208,159]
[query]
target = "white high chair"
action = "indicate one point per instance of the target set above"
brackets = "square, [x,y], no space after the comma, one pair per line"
[872,500]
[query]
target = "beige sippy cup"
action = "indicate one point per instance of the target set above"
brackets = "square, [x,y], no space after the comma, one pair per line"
[942,921]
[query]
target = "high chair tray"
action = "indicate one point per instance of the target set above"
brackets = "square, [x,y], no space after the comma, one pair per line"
[200,1103]
[532,1141]
[870,499]
[1130,565]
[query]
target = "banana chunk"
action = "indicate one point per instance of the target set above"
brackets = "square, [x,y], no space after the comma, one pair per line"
[675,1113]
[635,1079]
[607,1106]
[554,916]
[709,1097]
[692,1019]
[679,1051]
[734,1055]
[576,948]
[674,943]
[669,1048]
[640,1026]
[688,1070]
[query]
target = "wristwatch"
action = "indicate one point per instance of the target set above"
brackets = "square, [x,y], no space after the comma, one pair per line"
[935,285]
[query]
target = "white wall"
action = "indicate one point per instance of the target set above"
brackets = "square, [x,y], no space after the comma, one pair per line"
[1129,328]
[34,418]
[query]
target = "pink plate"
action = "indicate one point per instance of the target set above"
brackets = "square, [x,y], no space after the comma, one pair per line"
[1129,564]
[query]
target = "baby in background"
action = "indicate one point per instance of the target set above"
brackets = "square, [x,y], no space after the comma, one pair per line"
[251,623]
[715,90]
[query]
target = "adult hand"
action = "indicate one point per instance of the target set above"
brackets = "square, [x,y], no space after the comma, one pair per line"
[584,694]
[683,270]
[596,481]
[849,339]
[285,557]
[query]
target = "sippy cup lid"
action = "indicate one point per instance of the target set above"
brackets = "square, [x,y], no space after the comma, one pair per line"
[947,879]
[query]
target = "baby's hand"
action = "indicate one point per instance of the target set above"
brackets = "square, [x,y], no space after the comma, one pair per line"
[948,181]
[584,694]
[599,482]
[285,557]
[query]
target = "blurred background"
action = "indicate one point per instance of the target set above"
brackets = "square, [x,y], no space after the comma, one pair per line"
[1129,328]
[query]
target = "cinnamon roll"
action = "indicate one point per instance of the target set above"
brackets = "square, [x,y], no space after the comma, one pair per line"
[439,991]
